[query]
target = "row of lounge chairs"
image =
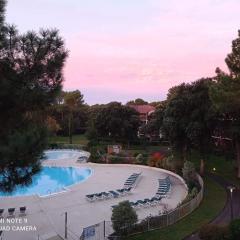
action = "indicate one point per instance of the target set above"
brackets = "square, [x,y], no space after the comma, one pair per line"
[163,191]
[11,212]
[144,203]
[164,188]
[107,195]
[128,185]
[132,180]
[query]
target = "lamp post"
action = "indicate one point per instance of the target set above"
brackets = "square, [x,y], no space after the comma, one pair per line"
[231,189]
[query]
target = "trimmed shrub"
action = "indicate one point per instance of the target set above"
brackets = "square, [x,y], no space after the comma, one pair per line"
[123,218]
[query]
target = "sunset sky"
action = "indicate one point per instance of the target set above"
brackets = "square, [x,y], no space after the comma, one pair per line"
[124,49]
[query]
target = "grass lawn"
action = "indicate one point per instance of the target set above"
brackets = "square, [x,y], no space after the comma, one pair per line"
[214,201]
[223,167]
[77,139]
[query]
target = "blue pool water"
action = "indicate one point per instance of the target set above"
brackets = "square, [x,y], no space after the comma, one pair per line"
[52,180]
[60,154]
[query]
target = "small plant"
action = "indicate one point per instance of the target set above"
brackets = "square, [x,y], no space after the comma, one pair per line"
[139,158]
[123,218]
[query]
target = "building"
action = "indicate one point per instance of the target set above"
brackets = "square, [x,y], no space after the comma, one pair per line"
[144,111]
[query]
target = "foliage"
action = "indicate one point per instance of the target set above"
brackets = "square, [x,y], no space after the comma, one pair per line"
[225,96]
[155,159]
[20,157]
[123,217]
[154,126]
[70,112]
[192,194]
[137,101]
[214,232]
[98,154]
[114,121]
[235,229]
[189,117]
[189,172]
[31,77]
[52,125]
[139,158]
[80,139]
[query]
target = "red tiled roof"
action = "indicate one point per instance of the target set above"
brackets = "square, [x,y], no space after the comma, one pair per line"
[143,109]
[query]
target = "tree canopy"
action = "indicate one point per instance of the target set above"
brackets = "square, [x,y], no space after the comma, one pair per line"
[137,101]
[114,121]
[189,116]
[31,77]
[225,93]
[123,217]
[70,113]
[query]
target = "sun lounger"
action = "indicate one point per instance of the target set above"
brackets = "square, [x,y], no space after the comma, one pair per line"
[22,211]
[127,190]
[1,212]
[121,191]
[90,197]
[114,194]
[11,212]
[131,181]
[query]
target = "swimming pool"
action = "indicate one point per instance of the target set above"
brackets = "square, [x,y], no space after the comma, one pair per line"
[52,180]
[65,154]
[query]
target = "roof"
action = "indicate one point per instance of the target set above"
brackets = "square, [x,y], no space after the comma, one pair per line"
[143,109]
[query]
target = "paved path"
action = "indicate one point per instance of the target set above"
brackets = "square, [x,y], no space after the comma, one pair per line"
[225,215]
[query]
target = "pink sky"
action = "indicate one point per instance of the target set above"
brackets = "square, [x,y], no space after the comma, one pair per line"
[121,50]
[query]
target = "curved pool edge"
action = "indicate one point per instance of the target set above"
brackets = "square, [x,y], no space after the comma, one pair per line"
[66,188]
[78,153]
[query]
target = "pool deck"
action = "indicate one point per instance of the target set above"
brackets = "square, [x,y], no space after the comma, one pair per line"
[47,213]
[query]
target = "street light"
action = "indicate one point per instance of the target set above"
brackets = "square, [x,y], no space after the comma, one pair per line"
[231,189]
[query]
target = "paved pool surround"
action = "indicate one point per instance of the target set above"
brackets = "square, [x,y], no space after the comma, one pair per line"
[47,213]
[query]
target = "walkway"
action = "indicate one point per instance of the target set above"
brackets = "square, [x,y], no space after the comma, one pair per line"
[225,215]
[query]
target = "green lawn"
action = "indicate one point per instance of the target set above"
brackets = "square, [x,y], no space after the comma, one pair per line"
[77,139]
[223,167]
[214,201]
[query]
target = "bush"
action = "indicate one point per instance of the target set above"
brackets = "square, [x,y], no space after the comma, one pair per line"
[193,183]
[97,154]
[189,172]
[139,158]
[123,218]
[214,232]
[235,229]
[191,194]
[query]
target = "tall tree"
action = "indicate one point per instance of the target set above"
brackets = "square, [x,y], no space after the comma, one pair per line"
[225,93]
[202,118]
[115,121]
[189,117]
[176,118]
[72,101]
[30,79]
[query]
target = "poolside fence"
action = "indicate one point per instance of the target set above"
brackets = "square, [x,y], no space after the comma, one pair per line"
[104,230]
